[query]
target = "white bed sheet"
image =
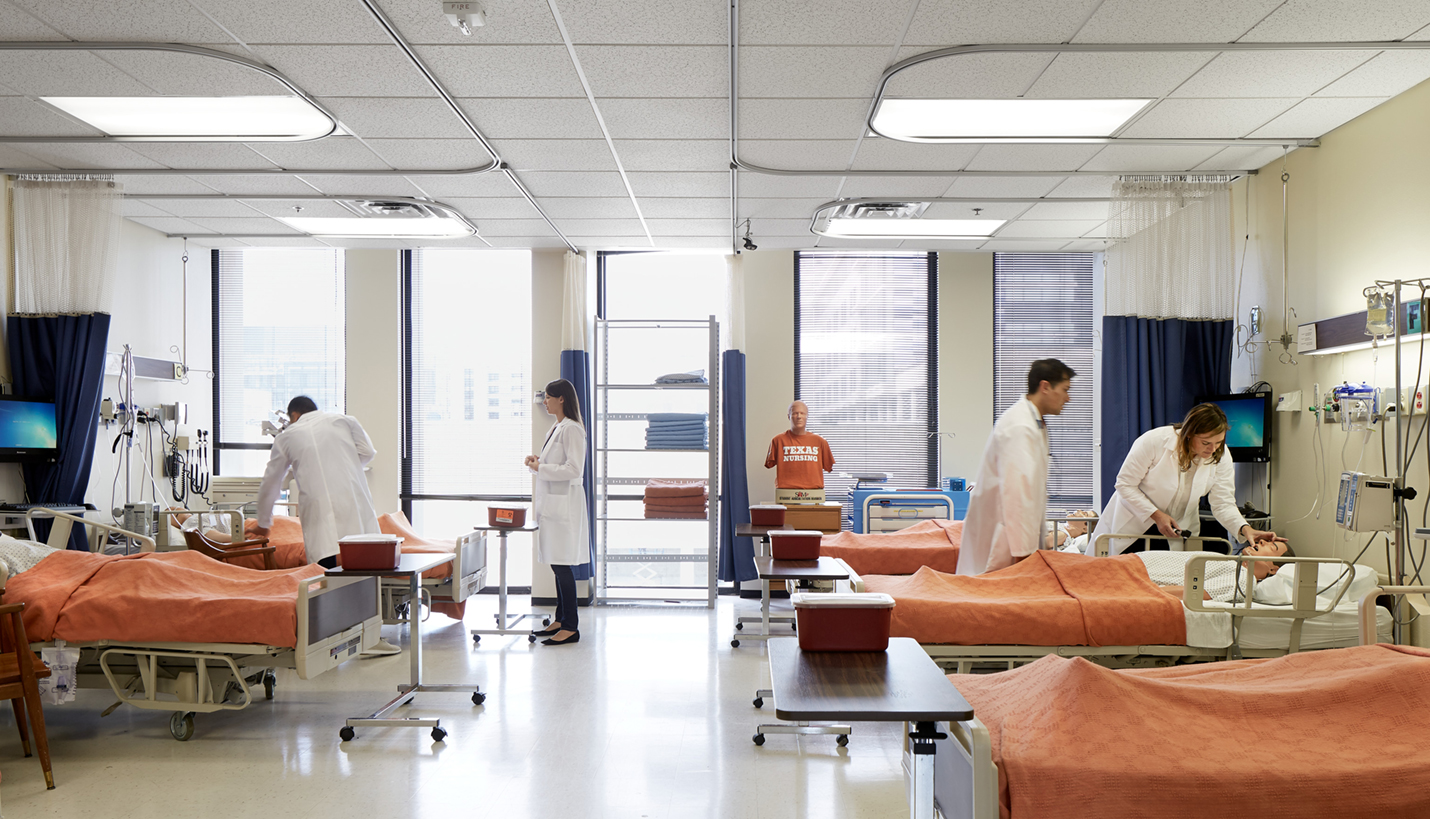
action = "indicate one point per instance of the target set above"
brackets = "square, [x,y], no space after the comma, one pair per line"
[1337,629]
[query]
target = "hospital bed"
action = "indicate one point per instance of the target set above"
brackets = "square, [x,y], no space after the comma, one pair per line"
[336,619]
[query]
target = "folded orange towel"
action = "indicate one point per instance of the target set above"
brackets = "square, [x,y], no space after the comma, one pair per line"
[661,488]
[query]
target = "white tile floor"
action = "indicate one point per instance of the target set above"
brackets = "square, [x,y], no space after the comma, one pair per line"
[648,717]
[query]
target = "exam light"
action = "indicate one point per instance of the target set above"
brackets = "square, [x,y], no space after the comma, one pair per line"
[247,119]
[1015,120]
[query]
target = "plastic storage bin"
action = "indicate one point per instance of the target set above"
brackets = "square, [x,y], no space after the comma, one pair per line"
[843,622]
[767,514]
[368,552]
[795,544]
[506,516]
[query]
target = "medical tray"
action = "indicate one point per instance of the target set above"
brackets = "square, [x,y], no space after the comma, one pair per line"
[767,514]
[368,552]
[843,622]
[795,544]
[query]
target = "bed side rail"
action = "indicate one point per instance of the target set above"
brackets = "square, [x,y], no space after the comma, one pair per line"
[165,541]
[469,570]
[64,523]
[1304,583]
[338,618]
[1369,635]
[965,782]
[1102,545]
[855,583]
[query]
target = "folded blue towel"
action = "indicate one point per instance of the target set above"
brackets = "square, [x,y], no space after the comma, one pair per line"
[704,446]
[677,416]
[679,442]
[676,428]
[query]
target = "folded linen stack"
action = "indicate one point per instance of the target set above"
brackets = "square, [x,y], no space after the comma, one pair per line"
[677,430]
[676,499]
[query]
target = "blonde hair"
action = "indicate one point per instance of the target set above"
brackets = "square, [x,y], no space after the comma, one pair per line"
[1203,419]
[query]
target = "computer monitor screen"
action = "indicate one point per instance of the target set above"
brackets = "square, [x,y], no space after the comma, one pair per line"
[1248,416]
[27,429]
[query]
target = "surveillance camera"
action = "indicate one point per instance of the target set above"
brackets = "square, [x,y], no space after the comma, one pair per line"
[749,245]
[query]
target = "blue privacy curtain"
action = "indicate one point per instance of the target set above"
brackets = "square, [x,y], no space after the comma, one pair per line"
[576,368]
[737,554]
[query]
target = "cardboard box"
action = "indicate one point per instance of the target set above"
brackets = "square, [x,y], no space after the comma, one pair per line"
[825,517]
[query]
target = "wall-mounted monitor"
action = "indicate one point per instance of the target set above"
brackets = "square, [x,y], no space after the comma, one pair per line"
[27,430]
[1248,415]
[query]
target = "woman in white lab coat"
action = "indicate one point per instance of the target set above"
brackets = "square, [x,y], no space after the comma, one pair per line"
[563,537]
[1163,479]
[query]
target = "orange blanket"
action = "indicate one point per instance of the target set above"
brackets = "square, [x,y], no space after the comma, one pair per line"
[932,543]
[661,488]
[157,597]
[1315,734]
[1049,599]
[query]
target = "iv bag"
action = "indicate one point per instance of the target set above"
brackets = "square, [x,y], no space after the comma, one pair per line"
[1378,309]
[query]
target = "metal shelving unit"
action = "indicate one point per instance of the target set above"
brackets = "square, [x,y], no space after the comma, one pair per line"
[609,477]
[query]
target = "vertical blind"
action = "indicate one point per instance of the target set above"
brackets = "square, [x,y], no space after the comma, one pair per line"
[866,362]
[279,332]
[1043,308]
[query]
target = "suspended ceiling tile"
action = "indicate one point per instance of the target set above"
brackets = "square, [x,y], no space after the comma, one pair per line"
[1207,117]
[693,242]
[1096,211]
[1023,245]
[996,186]
[291,241]
[267,184]
[65,73]
[296,21]
[972,21]
[762,228]
[758,208]
[467,242]
[215,208]
[569,118]
[855,244]
[640,242]
[802,119]
[431,154]
[1032,157]
[831,22]
[593,207]
[669,22]
[493,183]
[253,207]
[1092,246]
[165,21]
[674,155]
[986,210]
[759,185]
[217,241]
[1099,233]
[20,25]
[792,154]
[1270,73]
[178,74]
[679,184]
[1385,75]
[1327,20]
[689,227]
[893,187]
[161,184]
[667,119]
[1317,116]
[381,244]
[1117,75]
[510,21]
[515,227]
[348,71]
[504,70]
[200,154]
[971,76]
[527,242]
[601,227]
[88,155]
[1084,187]
[810,71]
[257,224]
[325,154]
[169,224]
[1034,229]
[788,242]
[711,208]
[570,183]
[137,207]
[1240,159]
[656,71]
[890,154]
[361,185]
[1173,21]
[22,117]
[957,246]
[1149,158]
[397,117]
[558,155]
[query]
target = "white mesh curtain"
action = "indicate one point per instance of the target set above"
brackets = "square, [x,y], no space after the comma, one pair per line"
[1171,255]
[66,244]
[575,324]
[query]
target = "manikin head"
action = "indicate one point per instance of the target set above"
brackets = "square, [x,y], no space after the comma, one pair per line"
[300,406]
[1048,382]
[1078,528]
[1269,548]
[798,417]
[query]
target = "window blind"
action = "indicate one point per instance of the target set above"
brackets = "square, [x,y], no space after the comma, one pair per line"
[279,332]
[866,362]
[1043,308]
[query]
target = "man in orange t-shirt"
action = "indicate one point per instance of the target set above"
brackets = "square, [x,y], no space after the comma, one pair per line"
[799,458]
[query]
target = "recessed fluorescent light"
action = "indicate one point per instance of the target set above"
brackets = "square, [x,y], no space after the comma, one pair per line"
[353,227]
[248,119]
[912,228]
[925,120]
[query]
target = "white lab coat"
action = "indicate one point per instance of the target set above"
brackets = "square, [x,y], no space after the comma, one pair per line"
[326,452]
[1148,482]
[559,502]
[1010,494]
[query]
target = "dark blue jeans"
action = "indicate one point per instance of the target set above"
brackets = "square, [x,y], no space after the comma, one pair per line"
[566,597]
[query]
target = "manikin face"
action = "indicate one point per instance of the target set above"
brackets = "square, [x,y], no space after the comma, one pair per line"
[1263,568]
[1205,446]
[798,416]
[1077,528]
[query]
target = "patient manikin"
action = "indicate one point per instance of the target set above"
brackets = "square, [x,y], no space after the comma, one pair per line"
[21,555]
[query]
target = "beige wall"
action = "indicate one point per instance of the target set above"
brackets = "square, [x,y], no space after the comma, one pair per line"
[548,276]
[769,360]
[374,365]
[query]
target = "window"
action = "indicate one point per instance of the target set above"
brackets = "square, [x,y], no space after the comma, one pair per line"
[278,332]
[467,321]
[1043,308]
[866,362]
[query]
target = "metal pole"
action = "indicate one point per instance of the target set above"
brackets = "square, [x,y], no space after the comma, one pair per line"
[1399,576]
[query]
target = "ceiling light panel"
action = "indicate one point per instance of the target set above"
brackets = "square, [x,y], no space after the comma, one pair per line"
[205,118]
[378,228]
[927,228]
[969,119]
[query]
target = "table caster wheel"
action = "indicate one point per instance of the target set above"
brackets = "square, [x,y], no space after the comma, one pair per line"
[759,739]
[734,644]
[531,638]
[181,725]
[739,626]
[270,682]
[438,734]
[546,621]
[478,698]
[476,638]
[759,702]
[347,733]
[843,740]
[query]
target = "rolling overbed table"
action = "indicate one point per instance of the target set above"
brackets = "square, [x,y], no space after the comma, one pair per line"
[505,621]
[899,685]
[411,566]
[762,539]
[823,568]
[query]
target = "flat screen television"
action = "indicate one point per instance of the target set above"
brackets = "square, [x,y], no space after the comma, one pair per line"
[1248,415]
[27,430]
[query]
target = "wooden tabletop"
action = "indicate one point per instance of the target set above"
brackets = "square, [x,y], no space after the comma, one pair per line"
[822,569]
[409,564]
[751,530]
[901,684]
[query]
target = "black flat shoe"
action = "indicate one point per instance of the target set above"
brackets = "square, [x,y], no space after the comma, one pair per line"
[546,632]
[574,638]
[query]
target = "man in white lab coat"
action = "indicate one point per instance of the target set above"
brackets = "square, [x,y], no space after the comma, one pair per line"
[1010,495]
[326,453]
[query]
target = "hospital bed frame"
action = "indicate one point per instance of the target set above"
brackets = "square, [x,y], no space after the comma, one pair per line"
[469,575]
[337,619]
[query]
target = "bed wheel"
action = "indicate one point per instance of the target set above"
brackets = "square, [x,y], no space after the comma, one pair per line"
[478,698]
[735,643]
[347,733]
[438,734]
[270,682]
[739,626]
[181,725]
[843,740]
[759,702]
[759,739]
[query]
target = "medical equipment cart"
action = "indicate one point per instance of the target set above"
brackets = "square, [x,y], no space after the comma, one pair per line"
[505,621]
[888,510]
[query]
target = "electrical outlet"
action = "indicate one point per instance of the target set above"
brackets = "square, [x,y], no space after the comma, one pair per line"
[1416,406]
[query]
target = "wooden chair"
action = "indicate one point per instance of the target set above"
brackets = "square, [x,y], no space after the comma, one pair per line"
[224,552]
[20,673]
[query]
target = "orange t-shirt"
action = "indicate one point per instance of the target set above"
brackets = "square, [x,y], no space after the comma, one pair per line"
[800,460]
